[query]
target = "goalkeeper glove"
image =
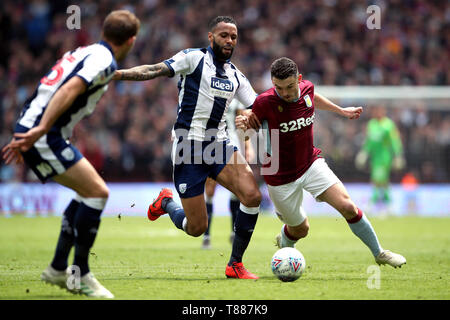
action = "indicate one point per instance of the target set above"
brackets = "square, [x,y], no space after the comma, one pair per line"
[361,159]
[398,163]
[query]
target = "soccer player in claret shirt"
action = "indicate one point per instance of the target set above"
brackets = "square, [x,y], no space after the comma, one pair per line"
[288,107]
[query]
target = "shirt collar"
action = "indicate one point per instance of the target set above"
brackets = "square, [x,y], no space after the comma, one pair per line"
[106,44]
[299,94]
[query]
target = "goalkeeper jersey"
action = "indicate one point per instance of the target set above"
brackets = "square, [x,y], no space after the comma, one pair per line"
[382,141]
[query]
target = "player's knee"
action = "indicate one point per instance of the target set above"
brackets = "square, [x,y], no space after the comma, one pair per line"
[104,192]
[252,199]
[348,209]
[101,192]
[97,191]
[198,229]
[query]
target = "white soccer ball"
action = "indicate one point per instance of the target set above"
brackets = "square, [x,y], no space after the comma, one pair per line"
[288,264]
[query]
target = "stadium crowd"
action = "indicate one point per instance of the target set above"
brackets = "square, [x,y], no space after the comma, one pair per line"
[127,138]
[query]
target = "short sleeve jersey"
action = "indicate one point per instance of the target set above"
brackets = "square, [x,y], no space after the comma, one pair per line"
[290,132]
[206,88]
[95,64]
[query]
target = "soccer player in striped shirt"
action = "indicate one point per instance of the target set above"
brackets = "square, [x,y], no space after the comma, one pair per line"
[288,109]
[64,96]
[208,82]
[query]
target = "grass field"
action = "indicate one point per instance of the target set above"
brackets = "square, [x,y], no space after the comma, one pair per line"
[137,259]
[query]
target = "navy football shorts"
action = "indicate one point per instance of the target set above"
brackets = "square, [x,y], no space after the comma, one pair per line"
[194,161]
[51,155]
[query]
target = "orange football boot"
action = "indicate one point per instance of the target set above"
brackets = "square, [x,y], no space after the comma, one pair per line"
[237,270]
[155,210]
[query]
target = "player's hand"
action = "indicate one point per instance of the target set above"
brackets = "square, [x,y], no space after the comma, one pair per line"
[361,160]
[10,154]
[398,163]
[241,122]
[23,141]
[253,121]
[352,112]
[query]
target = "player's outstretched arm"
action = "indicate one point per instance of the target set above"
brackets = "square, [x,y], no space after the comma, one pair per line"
[323,103]
[59,103]
[144,72]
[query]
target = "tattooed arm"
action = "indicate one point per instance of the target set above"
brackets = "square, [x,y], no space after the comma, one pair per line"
[144,72]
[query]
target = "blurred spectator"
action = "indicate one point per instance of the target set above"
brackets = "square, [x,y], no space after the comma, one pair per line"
[130,130]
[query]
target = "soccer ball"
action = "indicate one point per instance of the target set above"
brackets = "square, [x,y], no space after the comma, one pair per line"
[288,264]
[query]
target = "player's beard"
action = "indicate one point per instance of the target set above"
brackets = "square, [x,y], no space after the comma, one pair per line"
[218,52]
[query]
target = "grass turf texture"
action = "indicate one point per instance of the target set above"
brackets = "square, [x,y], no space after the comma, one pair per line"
[138,259]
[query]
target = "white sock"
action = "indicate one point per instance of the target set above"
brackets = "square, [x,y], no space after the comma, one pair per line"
[285,241]
[362,228]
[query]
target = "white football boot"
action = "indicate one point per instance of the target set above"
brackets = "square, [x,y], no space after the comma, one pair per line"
[90,287]
[55,277]
[283,242]
[393,259]
[278,241]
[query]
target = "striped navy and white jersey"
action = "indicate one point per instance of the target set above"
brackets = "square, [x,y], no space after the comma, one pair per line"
[95,64]
[206,89]
[235,105]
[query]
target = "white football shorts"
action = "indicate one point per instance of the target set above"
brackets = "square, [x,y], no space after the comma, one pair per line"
[287,198]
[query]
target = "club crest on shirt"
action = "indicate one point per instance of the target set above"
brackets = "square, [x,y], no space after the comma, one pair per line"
[308,101]
[280,108]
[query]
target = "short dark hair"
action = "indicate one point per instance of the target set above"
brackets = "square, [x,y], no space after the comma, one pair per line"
[119,26]
[215,21]
[283,68]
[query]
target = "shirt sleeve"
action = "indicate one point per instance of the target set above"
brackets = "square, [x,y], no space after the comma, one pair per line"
[245,92]
[396,141]
[98,65]
[182,62]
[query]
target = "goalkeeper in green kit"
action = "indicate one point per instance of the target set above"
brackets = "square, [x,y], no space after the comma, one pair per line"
[383,148]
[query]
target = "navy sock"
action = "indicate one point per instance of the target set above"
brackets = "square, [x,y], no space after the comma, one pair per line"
[234,208]
[87,221]
[209,210]
[243,228]
[66,237]
[175,211]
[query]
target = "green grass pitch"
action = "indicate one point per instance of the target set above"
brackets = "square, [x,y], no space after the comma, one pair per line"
[138,259]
